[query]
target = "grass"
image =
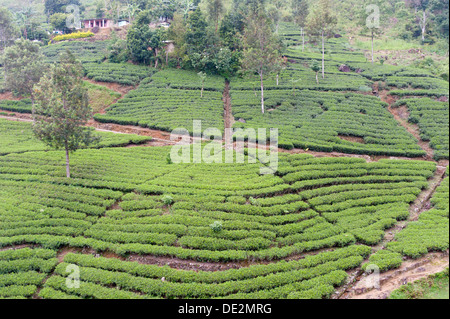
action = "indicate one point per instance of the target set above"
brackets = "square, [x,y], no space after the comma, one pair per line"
[433,287]
[100,97]
[387,44]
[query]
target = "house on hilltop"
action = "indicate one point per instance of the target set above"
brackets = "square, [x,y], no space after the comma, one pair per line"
[101,23]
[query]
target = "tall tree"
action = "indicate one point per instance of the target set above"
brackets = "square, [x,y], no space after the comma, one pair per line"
[300,10]
[23,67]
[202,77]
[316,68]
[215,9]
[184,6]
[54,6]
[177,33]
[7,28]
[370,22]
[423,16]
[261,47]
[231,30]
[274,11]
[143,43]
[321,22]
[62,108]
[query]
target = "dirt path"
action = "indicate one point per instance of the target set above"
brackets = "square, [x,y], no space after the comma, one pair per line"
[422,203]
[401,115]
[9,96]
[410,271]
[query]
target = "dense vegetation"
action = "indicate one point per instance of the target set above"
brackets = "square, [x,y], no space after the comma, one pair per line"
[432,118]
[298,66]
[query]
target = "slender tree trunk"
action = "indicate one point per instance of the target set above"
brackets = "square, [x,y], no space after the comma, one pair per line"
[424,25]
[303,40]
[262,92]
[317,77]
[323,55]
[67,163]
[278,79]
[372,49]
[202,91]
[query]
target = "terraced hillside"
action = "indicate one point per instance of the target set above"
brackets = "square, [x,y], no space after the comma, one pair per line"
[17,137]
[138,226]
[132,202]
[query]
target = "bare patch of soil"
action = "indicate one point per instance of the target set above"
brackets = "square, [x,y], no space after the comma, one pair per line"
[64,251]
[422,203]
[179,264]
[122,89]
[412,129]
[368,158]
[23,117]
[401,114]
[356,286]
[9,96]
[353,139]
[410,271]
[14,247]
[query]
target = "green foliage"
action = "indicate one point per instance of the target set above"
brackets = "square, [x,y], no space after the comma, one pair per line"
[216,226]
[58,21]
[62,108]
[7,28]
[23,270]
[314,120]
[384,260]
[261,53]
[153,105]
[122,73]
[143,43]
[433,287]
[432,119]
[117,50]
[167,200]
[54,6]
[17,137]
[86,52]
[430,232]
[23,67]
[75,35]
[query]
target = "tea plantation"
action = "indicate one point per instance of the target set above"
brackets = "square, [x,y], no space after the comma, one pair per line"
[139,226]
[318,121]
[17,137]
[131,201]
[166,108]
[432,118]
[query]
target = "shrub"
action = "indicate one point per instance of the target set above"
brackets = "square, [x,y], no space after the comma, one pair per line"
[77,35]
[216,226]
[167,200]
